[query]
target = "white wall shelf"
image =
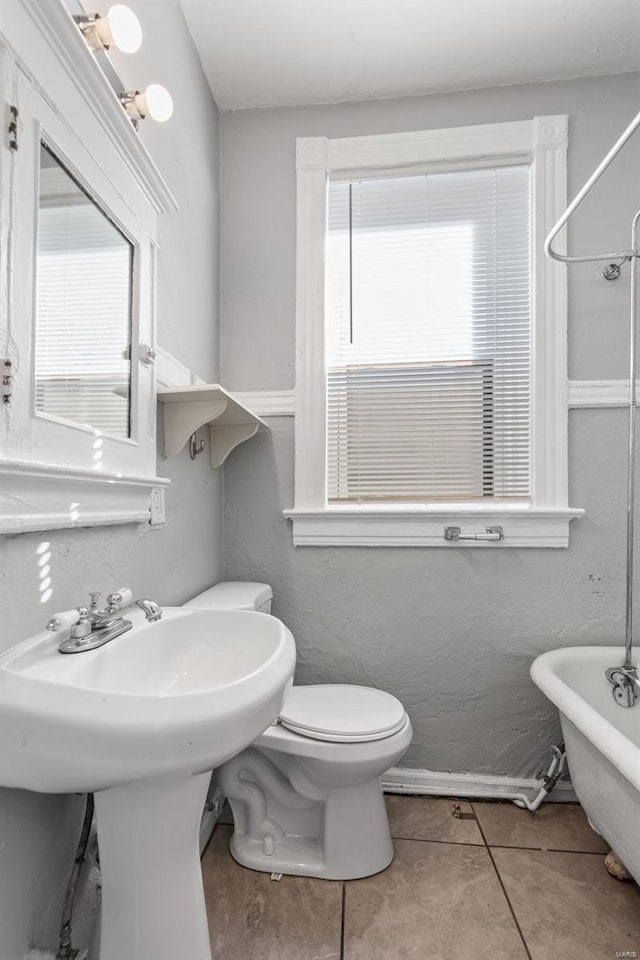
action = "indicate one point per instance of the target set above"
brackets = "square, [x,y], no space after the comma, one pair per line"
[187,409]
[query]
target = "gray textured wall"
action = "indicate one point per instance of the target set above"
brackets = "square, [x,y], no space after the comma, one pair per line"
[38,833]
[452,633]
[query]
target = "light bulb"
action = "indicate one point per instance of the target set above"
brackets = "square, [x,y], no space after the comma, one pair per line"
[120,28]
[155,102]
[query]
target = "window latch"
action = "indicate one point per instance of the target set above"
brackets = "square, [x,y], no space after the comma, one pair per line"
[7,381]
[491,533]
[13,128]
[146,354]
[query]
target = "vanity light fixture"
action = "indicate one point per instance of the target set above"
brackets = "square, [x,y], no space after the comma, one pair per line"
[155,102]
[119,28]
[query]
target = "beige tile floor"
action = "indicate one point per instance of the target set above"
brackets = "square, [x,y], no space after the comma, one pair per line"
[498,883]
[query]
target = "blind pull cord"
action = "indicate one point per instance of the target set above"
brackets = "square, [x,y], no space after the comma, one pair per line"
[350,263]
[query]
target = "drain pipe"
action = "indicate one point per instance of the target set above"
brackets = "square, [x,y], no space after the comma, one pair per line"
[551,777]
[65,950]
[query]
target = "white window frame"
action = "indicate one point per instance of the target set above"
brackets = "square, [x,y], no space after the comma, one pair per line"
[544,522]
[55,473]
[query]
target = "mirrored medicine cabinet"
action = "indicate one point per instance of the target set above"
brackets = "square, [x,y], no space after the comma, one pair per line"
[80,199]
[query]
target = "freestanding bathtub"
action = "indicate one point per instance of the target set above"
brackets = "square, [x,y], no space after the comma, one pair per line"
[602,742]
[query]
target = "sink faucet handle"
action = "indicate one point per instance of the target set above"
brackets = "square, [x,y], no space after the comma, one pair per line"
[120,598]
[63,620]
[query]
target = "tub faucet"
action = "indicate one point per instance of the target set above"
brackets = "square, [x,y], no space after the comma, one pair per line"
[626,684]
[95,627]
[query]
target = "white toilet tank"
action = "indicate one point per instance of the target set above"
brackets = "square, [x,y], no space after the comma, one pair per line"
[235,595]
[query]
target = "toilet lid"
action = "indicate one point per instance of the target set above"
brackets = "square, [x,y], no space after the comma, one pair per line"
[342,713]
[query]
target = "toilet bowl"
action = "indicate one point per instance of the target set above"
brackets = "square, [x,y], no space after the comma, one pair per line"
[306,795]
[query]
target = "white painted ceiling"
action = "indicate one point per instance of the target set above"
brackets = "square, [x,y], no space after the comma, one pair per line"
[267,53]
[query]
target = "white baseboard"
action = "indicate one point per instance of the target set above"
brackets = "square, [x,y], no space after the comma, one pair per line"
[472,785]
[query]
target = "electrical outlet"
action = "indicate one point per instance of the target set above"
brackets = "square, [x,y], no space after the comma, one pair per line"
[157,506]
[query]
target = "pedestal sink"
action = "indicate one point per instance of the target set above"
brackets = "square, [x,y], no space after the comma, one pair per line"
[140,722]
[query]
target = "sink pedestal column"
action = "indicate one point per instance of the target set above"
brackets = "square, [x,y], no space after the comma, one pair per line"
[153,905]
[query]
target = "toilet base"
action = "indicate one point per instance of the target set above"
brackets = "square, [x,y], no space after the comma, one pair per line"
[300,856]
[353,840]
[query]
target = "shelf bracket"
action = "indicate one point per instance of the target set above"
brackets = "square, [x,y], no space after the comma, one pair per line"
[187,409]
[224,438]
[181,420]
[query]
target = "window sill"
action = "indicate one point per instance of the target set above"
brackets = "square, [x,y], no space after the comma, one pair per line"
[40,497]
[365,526]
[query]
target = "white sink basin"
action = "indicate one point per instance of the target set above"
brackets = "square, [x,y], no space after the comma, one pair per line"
[178,696]
[140,722]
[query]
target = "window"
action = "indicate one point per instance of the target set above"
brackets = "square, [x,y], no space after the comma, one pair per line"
[428,336]
[435,331]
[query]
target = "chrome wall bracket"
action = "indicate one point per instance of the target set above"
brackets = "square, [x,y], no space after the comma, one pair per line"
[494,533]
[612,271]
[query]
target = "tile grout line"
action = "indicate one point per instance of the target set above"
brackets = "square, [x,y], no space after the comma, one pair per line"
[502,846]
[455,843]
[504,890]
[580,853]
[342,919]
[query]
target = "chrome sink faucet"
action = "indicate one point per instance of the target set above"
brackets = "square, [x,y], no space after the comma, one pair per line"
[95,627]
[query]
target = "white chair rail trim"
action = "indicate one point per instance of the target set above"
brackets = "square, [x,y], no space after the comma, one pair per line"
[586,394]
[595,394]
[589,394]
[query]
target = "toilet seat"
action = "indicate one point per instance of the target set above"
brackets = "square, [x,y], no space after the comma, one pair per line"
[342,713]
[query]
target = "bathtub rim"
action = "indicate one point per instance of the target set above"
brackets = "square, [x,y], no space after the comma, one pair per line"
[615,745]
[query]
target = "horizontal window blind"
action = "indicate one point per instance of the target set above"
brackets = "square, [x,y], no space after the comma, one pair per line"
[83,317]
[428,328]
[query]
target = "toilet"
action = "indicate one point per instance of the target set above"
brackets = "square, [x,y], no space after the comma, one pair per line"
[306,795]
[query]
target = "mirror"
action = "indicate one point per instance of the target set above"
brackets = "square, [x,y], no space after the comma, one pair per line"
[83,307]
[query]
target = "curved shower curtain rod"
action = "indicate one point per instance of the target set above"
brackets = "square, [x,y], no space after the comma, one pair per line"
[579,197]
[624,679]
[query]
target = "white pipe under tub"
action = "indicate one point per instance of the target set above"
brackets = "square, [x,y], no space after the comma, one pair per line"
[602,743]
[549,781]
